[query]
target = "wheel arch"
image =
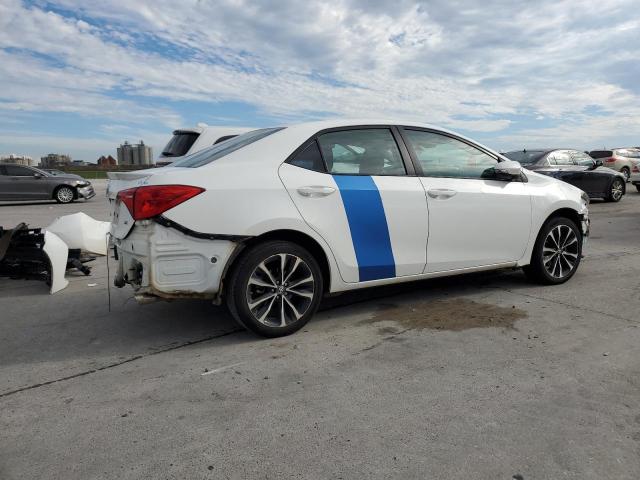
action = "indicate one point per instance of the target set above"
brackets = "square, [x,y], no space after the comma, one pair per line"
[564,211]
[295,236]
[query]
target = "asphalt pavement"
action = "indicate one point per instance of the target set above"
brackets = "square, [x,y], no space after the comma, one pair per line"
[482,376]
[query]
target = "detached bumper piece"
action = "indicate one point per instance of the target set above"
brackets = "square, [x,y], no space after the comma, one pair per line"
[33,254]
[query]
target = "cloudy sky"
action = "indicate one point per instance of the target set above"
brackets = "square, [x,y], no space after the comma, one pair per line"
[80,77]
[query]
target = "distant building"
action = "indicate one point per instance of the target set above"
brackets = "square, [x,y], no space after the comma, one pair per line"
[18,159]
[138,154]
[55,160]
[108,161]
[79,163]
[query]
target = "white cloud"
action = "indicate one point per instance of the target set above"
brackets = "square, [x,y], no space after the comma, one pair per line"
[467,65]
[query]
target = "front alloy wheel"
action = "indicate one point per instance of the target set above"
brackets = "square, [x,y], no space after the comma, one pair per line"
[616,190]
[556,253]
[64,195]
[275,288]
[560,251]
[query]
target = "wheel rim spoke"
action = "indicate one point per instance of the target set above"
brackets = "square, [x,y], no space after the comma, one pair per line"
[261,300]
[301,294]
[283,317]
[264,268]
[261,283]
[300,282]
[293,269]
[297,314]
[268,309]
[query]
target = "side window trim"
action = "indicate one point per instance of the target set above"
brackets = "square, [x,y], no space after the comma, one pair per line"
[414,157]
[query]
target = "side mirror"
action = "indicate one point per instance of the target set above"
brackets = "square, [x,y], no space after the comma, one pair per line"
[37,175]
[508,168]
[597,163]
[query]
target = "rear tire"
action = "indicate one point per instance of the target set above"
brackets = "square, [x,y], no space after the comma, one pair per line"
[616,190]
[274,288]
[638,187]
[64,194]
[557,252]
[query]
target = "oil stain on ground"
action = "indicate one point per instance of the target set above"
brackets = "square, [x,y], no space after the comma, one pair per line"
[450,314]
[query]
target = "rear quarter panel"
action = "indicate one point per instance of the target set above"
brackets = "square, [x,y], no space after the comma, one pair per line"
[240,199]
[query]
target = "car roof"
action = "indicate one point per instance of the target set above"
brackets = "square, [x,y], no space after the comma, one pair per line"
[309,129]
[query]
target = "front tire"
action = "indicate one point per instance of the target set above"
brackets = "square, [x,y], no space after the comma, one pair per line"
[275,288]
[64,195]
[557,252]
[616,190]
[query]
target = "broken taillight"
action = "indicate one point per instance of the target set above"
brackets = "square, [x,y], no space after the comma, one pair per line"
[152,200]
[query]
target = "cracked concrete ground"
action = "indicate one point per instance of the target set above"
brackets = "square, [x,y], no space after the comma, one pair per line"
[482,376]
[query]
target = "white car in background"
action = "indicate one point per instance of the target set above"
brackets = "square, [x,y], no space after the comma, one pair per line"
[186,141]
[272,220]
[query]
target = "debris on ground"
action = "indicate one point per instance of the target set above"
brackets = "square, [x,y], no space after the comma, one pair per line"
[47,254]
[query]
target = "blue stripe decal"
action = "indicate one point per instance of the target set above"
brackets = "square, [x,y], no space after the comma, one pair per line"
[368,225]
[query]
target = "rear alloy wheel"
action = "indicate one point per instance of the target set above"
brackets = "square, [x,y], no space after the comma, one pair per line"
[275,288]
[64,195]
[557,252]
[626,172]
[616,191]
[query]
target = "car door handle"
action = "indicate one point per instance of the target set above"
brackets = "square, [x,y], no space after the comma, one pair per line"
[442,193]
[315,191]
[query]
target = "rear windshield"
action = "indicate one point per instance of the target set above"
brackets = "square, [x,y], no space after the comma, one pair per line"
[179,144]
[601,154]
[219,150]
[525,157]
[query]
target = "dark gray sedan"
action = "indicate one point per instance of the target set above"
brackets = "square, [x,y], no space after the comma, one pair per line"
[18,182]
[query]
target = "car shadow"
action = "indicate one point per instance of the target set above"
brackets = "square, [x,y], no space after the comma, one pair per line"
[88,332]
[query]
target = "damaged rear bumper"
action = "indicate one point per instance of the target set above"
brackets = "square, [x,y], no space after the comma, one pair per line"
[159,261]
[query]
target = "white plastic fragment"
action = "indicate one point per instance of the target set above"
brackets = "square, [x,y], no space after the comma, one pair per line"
[57,251]
[79,230]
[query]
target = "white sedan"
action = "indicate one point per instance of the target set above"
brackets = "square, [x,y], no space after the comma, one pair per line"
[276,218]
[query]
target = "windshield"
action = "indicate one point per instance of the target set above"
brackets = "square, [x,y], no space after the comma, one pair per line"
[219,150]
[525,157]
[179,144]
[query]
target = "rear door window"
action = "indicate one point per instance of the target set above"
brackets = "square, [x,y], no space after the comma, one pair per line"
[17,171]
[627,153]
[366,151]
[309,158]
